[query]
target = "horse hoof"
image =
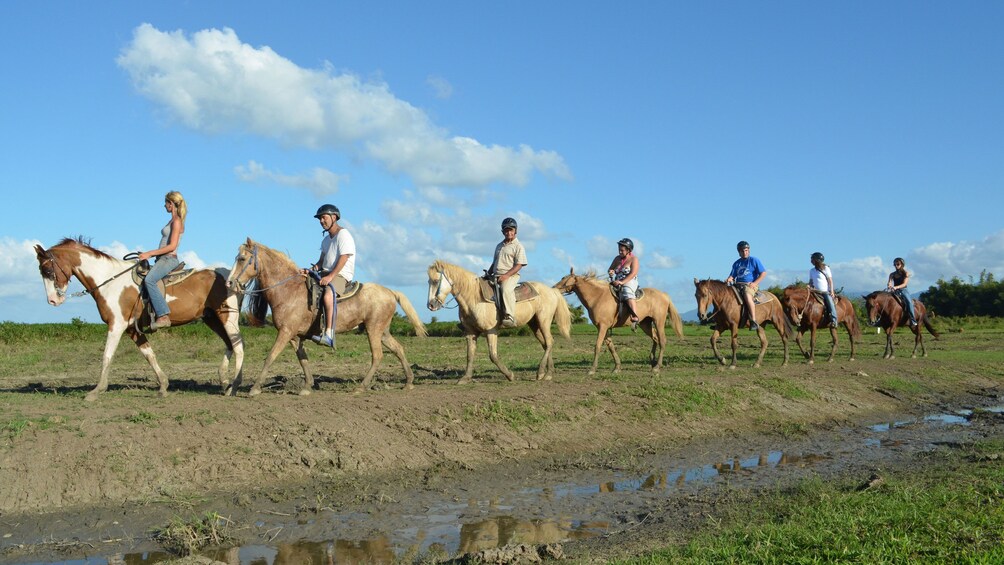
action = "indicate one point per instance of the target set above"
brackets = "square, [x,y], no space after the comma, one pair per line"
[162,393]
[812,362]
[732,367]
[464,381]
[409,386]
[91,397]
[543,377]
[304,392]
[591,373]
[255,391]
[511,378]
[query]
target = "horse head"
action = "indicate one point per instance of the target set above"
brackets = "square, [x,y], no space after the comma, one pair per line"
[440,286]
[245,266]
[704,298]
[874,307]
[568,283]
[54,276]
[788,303]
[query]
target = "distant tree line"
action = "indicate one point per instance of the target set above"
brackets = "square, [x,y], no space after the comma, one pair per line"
[957,298]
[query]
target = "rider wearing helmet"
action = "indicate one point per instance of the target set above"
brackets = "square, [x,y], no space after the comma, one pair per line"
[821,281]
[335,267]
[623,272]
[898,280]
[747,272]
[510,257]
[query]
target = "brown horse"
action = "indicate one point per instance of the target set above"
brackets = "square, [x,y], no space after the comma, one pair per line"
[281,286]
[201,296]
[653,309]
[478,316]
[807,314]
[885,311]
[727,312]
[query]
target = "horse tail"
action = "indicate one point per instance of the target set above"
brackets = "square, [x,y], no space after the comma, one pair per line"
[562,314]
[257,305]
[674,318]
[411,314]
[855,326]
[926,319]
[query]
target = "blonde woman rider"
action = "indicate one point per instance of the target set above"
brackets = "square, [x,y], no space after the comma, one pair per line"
[166,257]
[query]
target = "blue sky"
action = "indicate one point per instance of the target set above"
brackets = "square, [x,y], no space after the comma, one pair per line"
[863,130]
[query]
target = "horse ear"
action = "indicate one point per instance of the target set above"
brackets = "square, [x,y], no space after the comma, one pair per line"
[39,250]
[249,242]
[696,281]
[571,271]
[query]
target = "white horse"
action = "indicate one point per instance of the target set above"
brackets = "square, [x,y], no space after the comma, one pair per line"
[201,296]
[479,316]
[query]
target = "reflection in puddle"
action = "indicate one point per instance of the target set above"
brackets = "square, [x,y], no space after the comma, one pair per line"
[451,527]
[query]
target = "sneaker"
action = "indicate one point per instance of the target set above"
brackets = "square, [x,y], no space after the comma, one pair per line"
[508,322]
[324,340]
[634,324]
[834,324]
[754,326]
[161,322]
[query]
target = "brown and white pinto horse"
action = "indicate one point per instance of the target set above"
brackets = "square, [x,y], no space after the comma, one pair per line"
[727,314]
[653,309]
[807,314]
[885,311]
[202,296]
[282,288]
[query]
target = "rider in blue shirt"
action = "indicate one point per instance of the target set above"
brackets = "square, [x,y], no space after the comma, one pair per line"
[747,272]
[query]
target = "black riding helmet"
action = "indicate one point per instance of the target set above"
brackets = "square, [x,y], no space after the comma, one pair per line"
[627,243]
[509,223]
[742,245]
[817,257]
[328,209]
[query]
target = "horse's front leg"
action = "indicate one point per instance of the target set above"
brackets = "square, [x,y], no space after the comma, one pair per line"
[658,335]
[472,346]
[812,345]
[601,339]
[735,346]
[376,355]
[546,368]
[143,343]
[714,345]
[493,354]
[918,340]
[236,350]
[798,340]
[281,339]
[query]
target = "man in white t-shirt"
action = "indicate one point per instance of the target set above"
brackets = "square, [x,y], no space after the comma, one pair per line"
[335,267]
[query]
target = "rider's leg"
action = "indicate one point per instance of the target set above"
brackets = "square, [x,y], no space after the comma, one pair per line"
[164,265]
[750,306]
[831,309]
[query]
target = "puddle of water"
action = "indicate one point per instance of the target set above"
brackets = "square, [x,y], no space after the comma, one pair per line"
[450,527]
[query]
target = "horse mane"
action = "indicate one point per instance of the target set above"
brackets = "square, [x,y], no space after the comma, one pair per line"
[713,282]
[276,255]
[465,284]
[82,244]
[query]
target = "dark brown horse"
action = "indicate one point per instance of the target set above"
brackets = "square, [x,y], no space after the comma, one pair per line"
[653,309]
[885,311]
[201,296]
[807,314]
[282,287]
[728,311]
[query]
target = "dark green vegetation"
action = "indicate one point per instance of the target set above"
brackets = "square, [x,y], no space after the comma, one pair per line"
[948,509]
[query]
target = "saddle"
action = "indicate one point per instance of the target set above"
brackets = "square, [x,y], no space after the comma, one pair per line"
[524,291]
[176,275]
[315,291]
[818,296]
[759,297]
[638,294]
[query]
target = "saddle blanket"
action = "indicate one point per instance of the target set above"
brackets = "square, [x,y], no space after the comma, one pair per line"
[524,291]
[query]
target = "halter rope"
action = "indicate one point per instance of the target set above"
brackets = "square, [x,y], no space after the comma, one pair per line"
[62,292]
[439,287]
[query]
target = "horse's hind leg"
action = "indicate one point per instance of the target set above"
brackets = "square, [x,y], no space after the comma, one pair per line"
[658,334]
[225,326]
[277,347]
[833,346]
[918,340]
[397,349]
[472,347]
[812,345]
[144,348]
[542,332]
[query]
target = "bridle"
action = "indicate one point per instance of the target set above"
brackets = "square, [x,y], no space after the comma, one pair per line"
[242,287]
[61,292]
[439,287]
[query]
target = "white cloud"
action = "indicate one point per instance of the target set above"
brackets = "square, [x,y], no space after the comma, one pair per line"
[656,260]
[214,83]
[964,259]
[319,181]
[19,276]
[440,87]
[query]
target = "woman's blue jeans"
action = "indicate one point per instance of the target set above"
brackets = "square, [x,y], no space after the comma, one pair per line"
[905,295]
[164,265]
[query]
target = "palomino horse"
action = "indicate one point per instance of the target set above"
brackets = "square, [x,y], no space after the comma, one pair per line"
[884,310]
[478,316]
[727,313]
[807,314]
[653,309]
[201,296]
[281,286]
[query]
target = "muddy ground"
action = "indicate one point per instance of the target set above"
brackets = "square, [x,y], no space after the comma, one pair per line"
[97,479]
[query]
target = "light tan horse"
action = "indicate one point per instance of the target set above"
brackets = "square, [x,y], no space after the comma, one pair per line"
[807,314]
[283,288]
[481,317]
[653,309]
[727,312]
[201,296]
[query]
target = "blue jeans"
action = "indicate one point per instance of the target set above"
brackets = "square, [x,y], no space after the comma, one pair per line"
[164,265]
[905,295]
[831,308]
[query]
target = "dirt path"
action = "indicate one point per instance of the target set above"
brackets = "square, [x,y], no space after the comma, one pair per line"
[103,475]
